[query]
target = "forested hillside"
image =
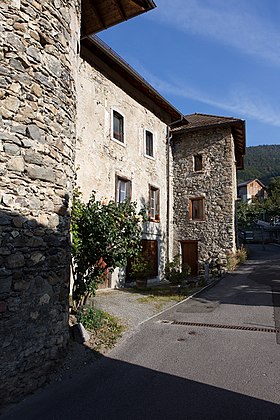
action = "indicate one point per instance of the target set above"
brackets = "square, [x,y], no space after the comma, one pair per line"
[262,162]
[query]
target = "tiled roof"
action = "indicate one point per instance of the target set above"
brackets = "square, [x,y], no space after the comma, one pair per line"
[194,121]
[243,184]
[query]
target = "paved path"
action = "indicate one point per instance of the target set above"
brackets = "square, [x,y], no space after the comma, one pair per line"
[173,371]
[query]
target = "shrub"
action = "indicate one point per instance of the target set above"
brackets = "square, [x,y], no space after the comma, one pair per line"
[236,258]
[174,272]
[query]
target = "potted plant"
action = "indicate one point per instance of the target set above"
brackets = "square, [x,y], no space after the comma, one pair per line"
[141,270]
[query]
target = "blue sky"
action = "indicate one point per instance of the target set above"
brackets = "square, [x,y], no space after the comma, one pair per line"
[218,57]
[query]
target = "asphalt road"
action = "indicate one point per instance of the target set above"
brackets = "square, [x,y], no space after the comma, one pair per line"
[226,368]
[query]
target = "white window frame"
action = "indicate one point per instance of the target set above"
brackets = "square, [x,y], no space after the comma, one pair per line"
[154,209]
[114,109]
[127,193]
[154,143]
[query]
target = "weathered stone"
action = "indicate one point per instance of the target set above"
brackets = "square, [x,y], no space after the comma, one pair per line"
[34,132]
[16,64]
[5,285]
[16,164]
[33,157]
[11,149]
[37,257]
[26,143]
[44,300]
[39,172]
[19,128]
[33,54]
[3,307]
[8,200]
[5,219]
[12,103]
[15,260]
[18,221]
[6,137]
[36,89]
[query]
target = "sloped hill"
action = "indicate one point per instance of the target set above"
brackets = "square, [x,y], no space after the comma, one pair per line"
[262,162]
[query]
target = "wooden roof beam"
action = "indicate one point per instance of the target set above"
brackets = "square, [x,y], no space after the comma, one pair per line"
[120,9]
[98,14]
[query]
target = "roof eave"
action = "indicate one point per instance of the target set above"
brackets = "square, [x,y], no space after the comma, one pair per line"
[109,56]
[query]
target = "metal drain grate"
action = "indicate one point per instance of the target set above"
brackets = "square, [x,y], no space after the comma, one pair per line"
[228,327]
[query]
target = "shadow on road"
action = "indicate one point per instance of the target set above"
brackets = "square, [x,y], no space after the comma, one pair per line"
[115,389]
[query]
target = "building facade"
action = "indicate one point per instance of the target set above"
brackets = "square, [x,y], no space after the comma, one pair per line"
[70,105]
[206,151]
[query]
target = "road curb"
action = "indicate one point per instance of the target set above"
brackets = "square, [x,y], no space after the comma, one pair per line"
[208,286]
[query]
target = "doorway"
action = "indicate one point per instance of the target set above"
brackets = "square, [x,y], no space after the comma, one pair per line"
[190,255]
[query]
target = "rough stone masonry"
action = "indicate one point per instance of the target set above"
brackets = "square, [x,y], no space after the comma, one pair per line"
[37,142]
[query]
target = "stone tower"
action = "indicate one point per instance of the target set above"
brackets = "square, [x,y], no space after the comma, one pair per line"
[38,50]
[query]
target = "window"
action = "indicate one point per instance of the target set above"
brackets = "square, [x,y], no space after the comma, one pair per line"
[197,209]
[153,204]
[197,163]
[123,190]
[118,126]
[149,143]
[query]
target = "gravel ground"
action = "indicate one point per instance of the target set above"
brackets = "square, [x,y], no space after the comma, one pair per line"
[123,304]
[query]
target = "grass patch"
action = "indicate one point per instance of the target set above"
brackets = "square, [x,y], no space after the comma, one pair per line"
[161,296]
[234,259]
[160,301]
[104,328]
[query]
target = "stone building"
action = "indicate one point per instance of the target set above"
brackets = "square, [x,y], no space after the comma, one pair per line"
[121,153]
[66,101]
[39,51]
[206,151]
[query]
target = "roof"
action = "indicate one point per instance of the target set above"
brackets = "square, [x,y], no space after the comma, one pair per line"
[92,48]
[98,15]
[243,184]
[194,122]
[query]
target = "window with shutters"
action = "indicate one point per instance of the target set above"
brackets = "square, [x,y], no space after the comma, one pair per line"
[197,209]
[123,189]
[154,204]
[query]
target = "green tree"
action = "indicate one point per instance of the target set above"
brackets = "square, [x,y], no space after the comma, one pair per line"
[247,213]
[272,204]
[104,236]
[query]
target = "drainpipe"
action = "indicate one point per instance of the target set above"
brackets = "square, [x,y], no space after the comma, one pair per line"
[168,140]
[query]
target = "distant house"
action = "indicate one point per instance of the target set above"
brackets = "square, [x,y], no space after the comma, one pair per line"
[251,190]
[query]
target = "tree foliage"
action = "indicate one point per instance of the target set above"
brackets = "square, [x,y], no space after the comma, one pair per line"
[261,162]
[104,236]
[261,210]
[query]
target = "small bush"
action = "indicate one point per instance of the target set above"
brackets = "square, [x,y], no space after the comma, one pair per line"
[236,258]
[90,317]
[174,272]
[105,329]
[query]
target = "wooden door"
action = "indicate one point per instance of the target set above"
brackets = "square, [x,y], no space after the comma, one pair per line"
[190,255]
[150,252]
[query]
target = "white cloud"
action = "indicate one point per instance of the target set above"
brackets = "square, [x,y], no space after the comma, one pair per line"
[237,101]
[234,23]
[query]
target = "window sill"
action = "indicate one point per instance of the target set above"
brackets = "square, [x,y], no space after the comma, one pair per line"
[118,142]
[154,220]
[149,157]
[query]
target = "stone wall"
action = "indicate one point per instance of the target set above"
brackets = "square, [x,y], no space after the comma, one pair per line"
[216,183]
[37,141]
[100,159]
